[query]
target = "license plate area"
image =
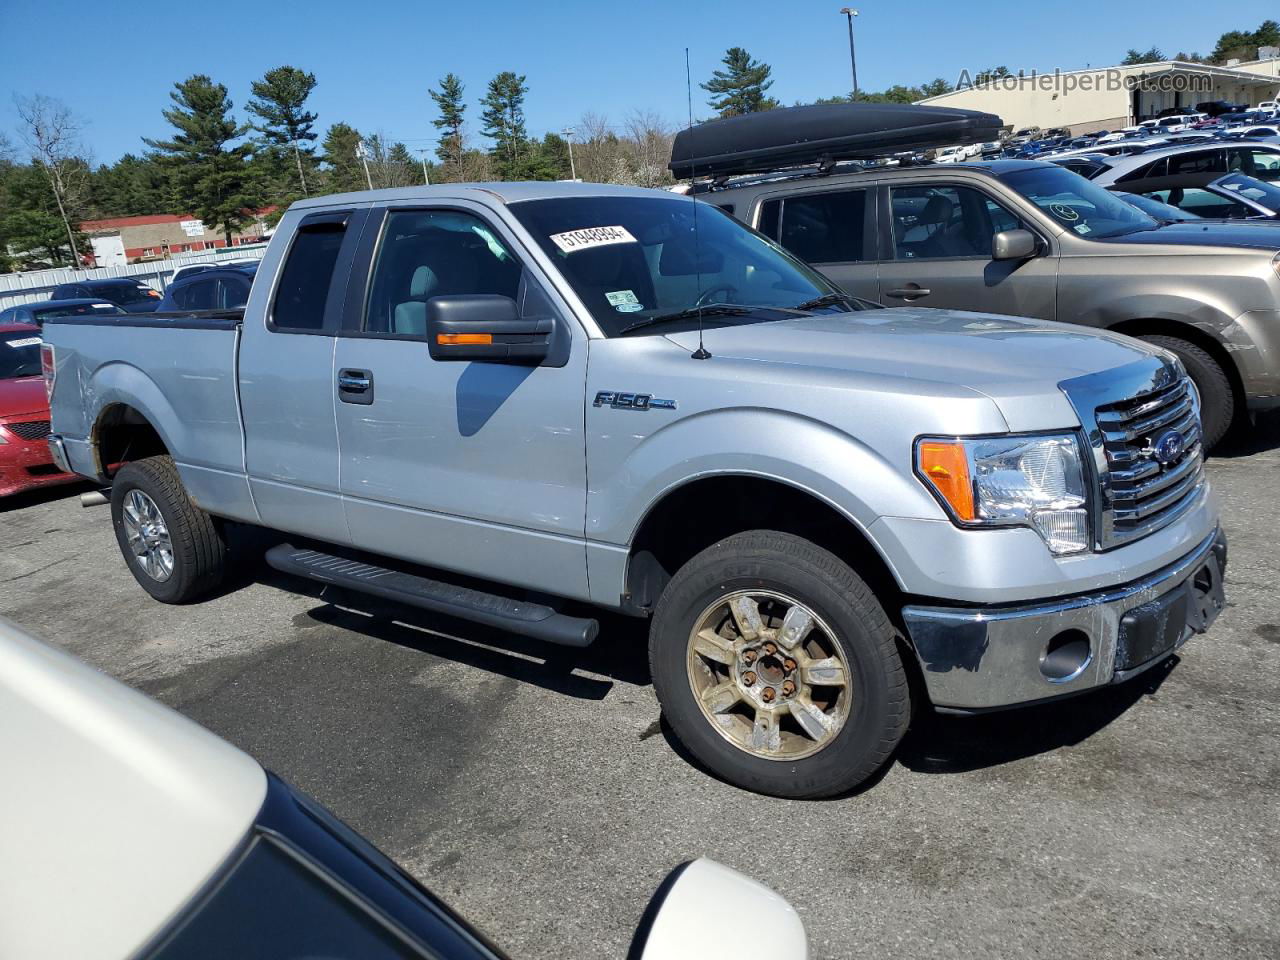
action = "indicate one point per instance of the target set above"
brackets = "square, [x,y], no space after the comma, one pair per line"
[1160,626]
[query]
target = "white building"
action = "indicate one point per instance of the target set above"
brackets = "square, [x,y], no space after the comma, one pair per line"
[1112,97]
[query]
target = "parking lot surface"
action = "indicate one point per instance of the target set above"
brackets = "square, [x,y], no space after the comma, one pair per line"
[536,789]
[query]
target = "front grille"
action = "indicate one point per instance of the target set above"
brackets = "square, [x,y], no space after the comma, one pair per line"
[1143,491]
[29,430]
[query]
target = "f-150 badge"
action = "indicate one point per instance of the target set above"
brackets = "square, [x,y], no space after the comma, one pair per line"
[632,401]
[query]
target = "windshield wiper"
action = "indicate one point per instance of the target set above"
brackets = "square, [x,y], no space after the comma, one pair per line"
[710,310]
[826,300]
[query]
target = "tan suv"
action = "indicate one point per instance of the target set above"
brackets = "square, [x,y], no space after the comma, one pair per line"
[1031,239]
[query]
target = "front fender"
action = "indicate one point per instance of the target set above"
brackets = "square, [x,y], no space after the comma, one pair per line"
[859,482]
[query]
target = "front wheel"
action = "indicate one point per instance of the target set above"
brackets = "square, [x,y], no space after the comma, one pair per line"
[777,667]
[174,549]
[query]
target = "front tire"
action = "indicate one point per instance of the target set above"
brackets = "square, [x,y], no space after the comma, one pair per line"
[174,549]
[777,668]
[1218,400]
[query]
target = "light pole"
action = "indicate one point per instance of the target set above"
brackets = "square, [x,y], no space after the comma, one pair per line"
[363,153]
[426,177]
[850,13]
[573,171]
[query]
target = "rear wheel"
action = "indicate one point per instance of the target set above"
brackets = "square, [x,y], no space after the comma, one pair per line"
[174,549]
[777,667]
[1218,399]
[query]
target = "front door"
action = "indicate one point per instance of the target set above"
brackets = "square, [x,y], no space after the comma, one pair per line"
[939,255]
[479,468]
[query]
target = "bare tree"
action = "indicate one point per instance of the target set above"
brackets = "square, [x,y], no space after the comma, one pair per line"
[650,139]
[52,134]
[597,149]
[6,150]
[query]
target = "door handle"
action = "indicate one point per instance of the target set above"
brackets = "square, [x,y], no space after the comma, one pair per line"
[355,386]
[908,293]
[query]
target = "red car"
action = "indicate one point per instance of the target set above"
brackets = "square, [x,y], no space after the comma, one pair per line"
[25,461]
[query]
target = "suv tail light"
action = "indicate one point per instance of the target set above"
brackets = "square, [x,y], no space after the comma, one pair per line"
[48,368]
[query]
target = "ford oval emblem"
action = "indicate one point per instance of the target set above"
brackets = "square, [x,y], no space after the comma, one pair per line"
[1168,446]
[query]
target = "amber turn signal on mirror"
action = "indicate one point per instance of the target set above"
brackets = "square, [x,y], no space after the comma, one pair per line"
[463,339]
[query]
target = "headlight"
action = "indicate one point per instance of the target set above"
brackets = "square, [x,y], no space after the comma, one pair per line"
[1035,482]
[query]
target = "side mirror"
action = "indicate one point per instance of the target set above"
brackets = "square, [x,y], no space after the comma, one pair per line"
[708,911]
[487,328]
[1014,245]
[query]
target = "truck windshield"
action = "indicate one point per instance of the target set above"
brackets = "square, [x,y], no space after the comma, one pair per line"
[1078,205]
[632,259]
[19,356]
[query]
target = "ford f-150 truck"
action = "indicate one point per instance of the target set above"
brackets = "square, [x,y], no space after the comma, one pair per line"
[511,401]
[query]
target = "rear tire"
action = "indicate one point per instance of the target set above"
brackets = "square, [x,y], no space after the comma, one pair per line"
[174,549]
[1218,399]
[711,664]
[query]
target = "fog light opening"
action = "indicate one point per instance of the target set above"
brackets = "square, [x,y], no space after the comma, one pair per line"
[1066,656]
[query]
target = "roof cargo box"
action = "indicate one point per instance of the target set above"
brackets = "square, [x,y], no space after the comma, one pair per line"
[824,132]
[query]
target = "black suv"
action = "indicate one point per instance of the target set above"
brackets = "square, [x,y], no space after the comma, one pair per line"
[132,296]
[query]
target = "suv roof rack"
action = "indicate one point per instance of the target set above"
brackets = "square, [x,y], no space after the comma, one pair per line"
[715,184]
[821,134]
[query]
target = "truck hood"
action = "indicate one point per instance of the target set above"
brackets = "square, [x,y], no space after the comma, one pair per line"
[23,395]
[1016,362]
[1258,236]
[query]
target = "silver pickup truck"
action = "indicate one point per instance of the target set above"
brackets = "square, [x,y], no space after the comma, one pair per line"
[518,402]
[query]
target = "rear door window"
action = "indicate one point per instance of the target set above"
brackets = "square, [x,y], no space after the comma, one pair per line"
[1200,161]
[308,272]
[825,227]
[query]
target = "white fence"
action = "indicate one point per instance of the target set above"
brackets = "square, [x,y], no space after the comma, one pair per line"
[18,288]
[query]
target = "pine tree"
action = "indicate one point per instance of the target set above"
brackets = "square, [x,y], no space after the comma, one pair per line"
[503,118]
[741,87]
[286,124]
[210,172]
[345,172]
[452,108]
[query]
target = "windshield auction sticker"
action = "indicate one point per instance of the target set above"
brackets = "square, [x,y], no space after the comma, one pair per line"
[590,237]
[28,342]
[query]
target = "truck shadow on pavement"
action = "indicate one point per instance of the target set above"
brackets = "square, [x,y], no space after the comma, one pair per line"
[585,674]
[942,743]
[43,495]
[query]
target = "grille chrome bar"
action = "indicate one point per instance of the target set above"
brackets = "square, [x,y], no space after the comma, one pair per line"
[1142,484]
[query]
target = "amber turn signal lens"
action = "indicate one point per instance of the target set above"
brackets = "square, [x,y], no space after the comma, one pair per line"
[946,468]
[463,339]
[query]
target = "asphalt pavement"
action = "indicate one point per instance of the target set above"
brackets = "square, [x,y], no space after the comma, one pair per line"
[538,792]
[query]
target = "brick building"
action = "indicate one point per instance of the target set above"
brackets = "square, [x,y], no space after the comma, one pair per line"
[157,236]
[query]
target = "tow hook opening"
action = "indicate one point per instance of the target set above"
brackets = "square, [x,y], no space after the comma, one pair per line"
[1066,656]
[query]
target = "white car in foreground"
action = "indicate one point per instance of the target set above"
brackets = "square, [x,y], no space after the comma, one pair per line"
[132,832]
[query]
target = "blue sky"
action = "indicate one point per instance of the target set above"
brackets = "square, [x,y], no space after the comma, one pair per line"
[114,63]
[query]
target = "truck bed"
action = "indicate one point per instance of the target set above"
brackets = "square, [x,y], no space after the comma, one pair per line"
[178,370]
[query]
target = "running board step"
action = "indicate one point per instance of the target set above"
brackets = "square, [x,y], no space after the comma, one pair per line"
[527,619]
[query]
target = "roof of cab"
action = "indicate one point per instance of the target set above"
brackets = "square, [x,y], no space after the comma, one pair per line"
[504,192]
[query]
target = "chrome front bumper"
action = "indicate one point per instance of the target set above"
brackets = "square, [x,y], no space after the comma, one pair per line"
[979,659]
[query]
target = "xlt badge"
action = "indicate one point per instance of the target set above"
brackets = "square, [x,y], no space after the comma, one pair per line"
[632,401]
